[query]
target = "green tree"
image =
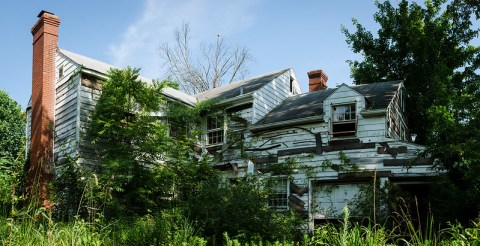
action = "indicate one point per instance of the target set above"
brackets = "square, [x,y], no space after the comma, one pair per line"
[430,47]
[12,127]
[12,146]
[131,140]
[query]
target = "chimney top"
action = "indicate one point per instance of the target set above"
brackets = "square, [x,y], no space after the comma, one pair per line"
[317,80]
[43,12]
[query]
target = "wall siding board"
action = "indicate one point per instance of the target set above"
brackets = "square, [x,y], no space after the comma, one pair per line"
[88,98]
[270,96]
[65,143]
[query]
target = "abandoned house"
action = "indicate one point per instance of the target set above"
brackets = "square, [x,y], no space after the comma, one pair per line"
[328,141]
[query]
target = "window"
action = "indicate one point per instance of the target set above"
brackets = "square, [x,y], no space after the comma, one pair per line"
[176,130]
[60,72]
[278,197]
[215,130]
[291,85]
[344,120]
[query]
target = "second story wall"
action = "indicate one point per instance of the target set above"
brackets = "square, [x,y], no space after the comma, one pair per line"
[66,108]
[89,94]
[341,112]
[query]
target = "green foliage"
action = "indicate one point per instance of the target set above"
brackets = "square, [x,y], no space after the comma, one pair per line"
[344,166]
[77,192]
[431,48]
[11,183]
[12,127]
[12,152]
[166,228]
[348,234]
[389,200]
[131,141]
[239,209]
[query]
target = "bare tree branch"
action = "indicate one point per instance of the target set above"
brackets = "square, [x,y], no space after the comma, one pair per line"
[217,64]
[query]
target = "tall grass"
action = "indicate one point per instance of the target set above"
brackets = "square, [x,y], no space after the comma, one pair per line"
[36,227]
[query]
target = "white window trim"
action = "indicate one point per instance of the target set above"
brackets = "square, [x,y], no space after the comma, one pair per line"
[287,192]
[222,129]
[354,120]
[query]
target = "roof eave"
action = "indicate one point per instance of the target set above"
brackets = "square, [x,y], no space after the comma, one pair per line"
[245,98]
[93,72]
[304,120]
[373,112]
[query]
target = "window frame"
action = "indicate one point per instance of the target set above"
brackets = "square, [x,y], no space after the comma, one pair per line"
[278,195]
[349,122]
[219,129]
[60,73]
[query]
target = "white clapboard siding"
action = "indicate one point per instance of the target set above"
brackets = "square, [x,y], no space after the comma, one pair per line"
[88,99]
[66,108]
[246,114]
[329,200]
[371,129]
[270,96]
[343,95]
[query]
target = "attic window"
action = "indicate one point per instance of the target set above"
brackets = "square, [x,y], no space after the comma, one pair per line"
[344,120]
[60,72]
[291,84]
[215,130]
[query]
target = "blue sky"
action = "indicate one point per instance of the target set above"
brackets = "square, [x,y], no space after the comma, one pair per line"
[304,35]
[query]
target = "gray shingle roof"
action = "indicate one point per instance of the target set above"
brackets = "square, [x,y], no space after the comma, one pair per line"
[240,87]
[103,68]
[378,95]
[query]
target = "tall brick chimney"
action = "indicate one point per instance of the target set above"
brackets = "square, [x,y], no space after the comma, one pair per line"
[45,45]
[317,80]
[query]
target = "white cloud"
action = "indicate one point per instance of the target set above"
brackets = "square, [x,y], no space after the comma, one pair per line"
[139,43]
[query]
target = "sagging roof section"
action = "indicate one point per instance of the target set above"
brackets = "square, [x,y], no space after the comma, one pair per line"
[102,67]
[378,95]
[296,107]
[241,87]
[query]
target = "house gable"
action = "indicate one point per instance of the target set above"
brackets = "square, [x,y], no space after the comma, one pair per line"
[250,99]
[273,94]
[342,95]
[67,111]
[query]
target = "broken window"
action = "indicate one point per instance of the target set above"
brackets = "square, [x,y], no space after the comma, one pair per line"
[278,197]
[344,120]
[215,130]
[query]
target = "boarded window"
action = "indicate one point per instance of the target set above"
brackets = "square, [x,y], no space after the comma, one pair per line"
[278,197]
[344,120]
[215,132]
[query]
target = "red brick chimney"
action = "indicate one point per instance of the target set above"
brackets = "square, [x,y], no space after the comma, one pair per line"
[45,45]
[317,80]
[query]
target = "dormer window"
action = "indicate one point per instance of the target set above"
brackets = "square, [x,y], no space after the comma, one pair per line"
[344,120]
[215,128]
